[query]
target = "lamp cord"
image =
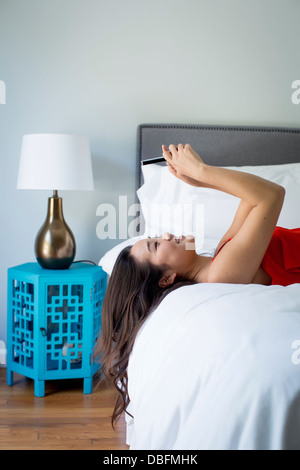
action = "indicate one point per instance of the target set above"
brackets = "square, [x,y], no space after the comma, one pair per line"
[85,261]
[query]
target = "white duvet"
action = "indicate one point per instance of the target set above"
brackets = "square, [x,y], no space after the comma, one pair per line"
[217,366]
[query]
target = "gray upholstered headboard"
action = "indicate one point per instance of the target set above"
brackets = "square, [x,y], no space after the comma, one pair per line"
[221,145]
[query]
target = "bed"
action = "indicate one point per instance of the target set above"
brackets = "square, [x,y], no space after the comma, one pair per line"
[215,366]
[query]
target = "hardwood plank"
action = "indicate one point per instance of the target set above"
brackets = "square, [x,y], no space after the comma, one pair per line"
[65,419]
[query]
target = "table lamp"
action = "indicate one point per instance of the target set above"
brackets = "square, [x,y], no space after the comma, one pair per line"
[55,162]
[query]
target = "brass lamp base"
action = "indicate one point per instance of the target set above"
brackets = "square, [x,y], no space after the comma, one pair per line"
[55,245]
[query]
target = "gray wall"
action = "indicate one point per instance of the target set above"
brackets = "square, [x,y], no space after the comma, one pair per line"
[100,68]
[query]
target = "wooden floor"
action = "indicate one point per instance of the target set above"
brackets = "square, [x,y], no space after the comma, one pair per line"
[65,419]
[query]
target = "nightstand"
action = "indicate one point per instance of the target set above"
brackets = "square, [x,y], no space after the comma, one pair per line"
[54,319]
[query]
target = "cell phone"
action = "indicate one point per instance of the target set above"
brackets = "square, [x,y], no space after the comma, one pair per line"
[153,160]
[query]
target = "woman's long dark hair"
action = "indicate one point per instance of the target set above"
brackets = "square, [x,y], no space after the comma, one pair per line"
[132,294]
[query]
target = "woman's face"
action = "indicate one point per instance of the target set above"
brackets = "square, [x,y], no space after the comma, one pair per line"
[178,254]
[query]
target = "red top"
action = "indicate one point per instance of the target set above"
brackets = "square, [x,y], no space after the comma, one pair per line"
[282,258]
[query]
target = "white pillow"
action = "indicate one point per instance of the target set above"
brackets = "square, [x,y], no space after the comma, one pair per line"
[164,199]
[170,205]
[288,176]
[108,260]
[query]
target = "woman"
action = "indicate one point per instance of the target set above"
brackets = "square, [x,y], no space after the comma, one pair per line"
[253,250]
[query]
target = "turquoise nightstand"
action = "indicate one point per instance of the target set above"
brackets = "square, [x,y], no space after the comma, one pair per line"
[54,319]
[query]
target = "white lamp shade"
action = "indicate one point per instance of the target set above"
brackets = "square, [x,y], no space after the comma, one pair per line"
[55,162]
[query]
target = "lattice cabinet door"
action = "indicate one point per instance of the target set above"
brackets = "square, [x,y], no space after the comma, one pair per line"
[54,319]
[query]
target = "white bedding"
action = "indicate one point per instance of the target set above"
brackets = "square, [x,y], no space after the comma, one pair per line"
[217,366]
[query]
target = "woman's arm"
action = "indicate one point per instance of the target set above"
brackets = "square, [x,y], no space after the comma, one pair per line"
[255,220]
[185,163]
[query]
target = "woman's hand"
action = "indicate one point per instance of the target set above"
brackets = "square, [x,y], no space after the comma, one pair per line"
[185,179]
[184,163]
